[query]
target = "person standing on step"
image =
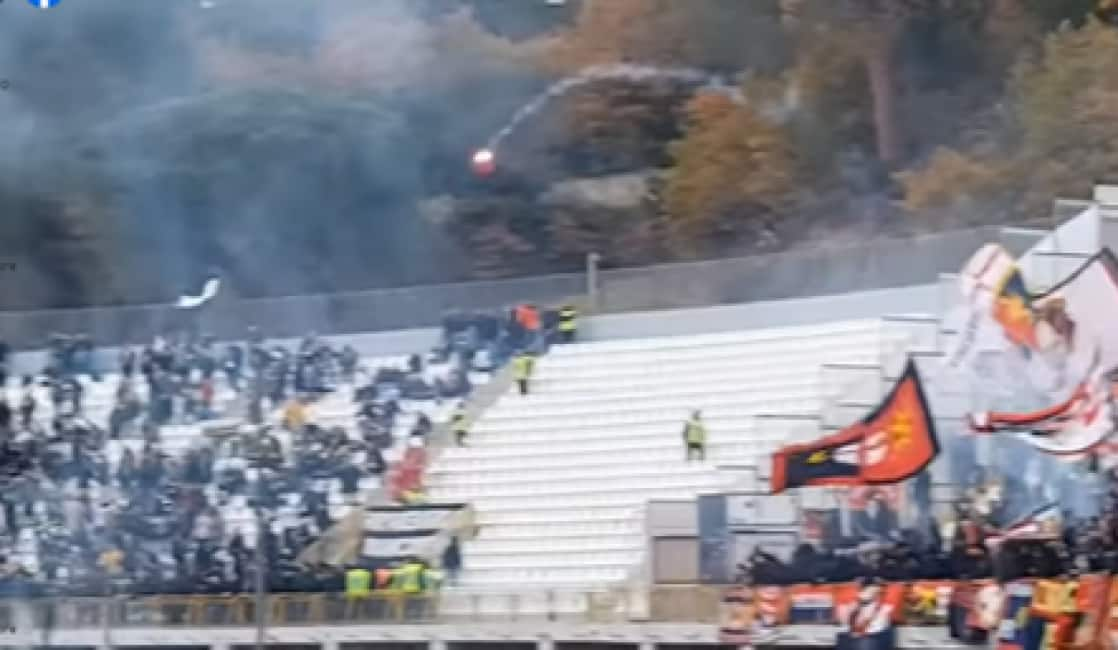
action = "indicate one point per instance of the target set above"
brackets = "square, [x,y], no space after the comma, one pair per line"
[459,425]
[695,437]
[568,324]
[522,367]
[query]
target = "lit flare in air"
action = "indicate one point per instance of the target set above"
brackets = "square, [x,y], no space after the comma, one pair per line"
[484,163]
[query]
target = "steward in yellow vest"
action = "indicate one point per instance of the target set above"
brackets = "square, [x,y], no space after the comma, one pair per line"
[459,426]
[522,367]
[358,583]
[409,577]
[695,437]
[568,324]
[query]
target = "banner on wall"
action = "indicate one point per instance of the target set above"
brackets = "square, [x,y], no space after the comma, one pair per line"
[866,616]
[893,443]
[748,616]
[1014,617]
[1024,615]
[927,602]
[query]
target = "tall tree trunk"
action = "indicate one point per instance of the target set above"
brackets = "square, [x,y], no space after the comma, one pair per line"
[878,59]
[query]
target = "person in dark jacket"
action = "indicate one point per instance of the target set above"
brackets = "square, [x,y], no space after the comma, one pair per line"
[5,415]
[127,362]
[27,403]
[452,559]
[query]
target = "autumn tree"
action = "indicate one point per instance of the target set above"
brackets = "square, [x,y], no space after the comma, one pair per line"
[1058,136]
[734,173]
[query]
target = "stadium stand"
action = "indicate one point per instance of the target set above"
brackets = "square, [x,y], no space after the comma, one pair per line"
[176,493]
[548,497]
[559,478]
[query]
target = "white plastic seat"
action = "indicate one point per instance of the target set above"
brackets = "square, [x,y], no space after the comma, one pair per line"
[559,478]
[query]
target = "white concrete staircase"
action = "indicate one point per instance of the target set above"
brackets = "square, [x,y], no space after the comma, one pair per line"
[559,478]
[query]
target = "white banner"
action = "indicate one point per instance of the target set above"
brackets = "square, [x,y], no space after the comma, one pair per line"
[396,547]
[395,520]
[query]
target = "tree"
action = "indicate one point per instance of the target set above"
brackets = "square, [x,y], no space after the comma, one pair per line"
[1058,136]
[717,35]
[875,28]
[734,173]
[621,126]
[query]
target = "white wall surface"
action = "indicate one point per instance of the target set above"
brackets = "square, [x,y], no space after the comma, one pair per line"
[669,322]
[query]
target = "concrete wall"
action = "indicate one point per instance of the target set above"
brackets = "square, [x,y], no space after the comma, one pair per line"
[922,299]
[670,322]
[822,270]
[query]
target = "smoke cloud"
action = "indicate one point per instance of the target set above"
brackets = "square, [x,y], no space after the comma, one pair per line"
[285,142]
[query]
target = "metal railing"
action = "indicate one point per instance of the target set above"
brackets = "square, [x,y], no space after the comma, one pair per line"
[303,609]
[220,611]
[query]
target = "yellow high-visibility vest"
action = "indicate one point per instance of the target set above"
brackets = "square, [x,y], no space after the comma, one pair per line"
[568,319]
[458,421]
[522,367]
[411,578]
[357,583]
[696,433]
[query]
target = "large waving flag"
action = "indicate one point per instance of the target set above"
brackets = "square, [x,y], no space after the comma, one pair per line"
[894,442]
[994,298]
[1071,365]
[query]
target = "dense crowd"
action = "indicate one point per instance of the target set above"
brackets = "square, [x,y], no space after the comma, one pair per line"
[113,507]
[972,545]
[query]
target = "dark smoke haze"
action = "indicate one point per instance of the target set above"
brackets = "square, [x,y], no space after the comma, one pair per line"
[143,148]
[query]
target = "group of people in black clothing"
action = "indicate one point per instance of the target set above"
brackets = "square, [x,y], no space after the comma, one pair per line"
[1086,545]
[91,508]
[112,509]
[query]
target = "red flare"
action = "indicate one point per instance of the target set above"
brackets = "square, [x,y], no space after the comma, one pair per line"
[484,163]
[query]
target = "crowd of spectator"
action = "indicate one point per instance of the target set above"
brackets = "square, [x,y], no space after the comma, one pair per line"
[118,506]
[108,507]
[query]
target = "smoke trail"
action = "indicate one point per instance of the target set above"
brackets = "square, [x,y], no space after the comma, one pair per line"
[625,72]
[294,184]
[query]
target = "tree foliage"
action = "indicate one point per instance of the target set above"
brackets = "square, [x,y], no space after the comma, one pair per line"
[1060,129]
[734,171]
[877,30]
[717,35]
[294,150]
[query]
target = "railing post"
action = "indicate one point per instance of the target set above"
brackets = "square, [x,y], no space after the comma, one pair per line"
[106,621]
[592,298]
